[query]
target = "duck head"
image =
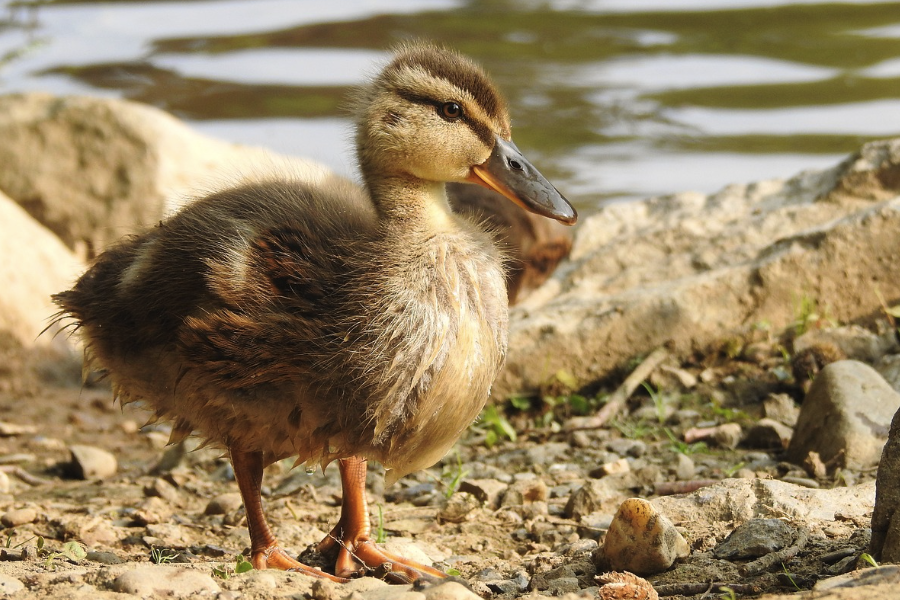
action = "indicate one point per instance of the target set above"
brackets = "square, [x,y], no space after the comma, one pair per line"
[433,115]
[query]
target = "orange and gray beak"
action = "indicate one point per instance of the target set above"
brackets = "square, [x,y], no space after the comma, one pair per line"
[508,172]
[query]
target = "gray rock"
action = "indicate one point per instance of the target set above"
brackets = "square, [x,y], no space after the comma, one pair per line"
[89,462]
[161,488]
[885,544]
[847,412]
[164,581]
[755,538]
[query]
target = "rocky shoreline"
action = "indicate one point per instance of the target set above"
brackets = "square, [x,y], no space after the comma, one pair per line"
[731,357]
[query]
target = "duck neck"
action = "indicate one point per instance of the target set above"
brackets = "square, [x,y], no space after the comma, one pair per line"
[410,204]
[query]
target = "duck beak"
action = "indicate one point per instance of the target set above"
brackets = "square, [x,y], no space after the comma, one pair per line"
[508,172]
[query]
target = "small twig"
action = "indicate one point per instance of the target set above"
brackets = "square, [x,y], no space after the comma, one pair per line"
[618,398]
[24,475]
[769,560]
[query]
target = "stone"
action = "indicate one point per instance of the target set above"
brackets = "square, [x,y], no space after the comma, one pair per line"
[449,590]
[685,270]
[104,558]
[488,491]
[615,467]
[159,580]
[223,504]
[525,491]
[641,540]
[684,467]
[116,165]
[4,483]
[781,408]
[847,414]
[18,516]
[768,433]
[885,544]
[9,585]
[755,538]
[35,265]
[589,498]
[89,462]
[855,342]
[459,507]
[161,488]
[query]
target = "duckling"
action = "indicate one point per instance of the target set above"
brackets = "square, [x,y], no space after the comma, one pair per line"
[329,322]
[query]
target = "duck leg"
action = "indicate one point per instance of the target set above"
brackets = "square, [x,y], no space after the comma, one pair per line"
[351,537]
[264,550]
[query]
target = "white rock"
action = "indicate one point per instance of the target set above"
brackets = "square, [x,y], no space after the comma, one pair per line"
[89,462]
[162,581]
[35,265]
[686,270]
[10,585]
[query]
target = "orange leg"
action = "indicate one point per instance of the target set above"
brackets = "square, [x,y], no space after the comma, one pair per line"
[351,539]
[264,550]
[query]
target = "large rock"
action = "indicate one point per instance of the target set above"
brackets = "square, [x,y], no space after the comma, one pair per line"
[885,545]
[94,169]
[846,416]
[34,265]
[689,269]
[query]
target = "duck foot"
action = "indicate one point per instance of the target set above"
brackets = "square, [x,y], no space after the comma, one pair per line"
[364,557]
[274,557]
[357,554]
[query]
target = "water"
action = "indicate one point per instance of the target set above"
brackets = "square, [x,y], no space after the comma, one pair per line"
[612,99]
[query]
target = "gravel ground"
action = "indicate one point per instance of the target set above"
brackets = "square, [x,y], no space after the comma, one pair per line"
[506,511]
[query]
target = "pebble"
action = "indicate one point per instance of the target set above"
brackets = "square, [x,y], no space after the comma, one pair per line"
[755,538]
[626,447]
[104,558]
[769,433]
[159,580]
[449,590]
[525,491]
[848,413]
[611,468]
[10,585]
[459,507]
[4,483]
[589,498]
[89,462]
[685,469]
[18,516]
[781,408]
[640,540]
[223,504]
[160,488]
[488,491]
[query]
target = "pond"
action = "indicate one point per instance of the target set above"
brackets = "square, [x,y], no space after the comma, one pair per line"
[611,99]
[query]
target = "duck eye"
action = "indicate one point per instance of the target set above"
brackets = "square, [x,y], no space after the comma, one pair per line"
[450,111]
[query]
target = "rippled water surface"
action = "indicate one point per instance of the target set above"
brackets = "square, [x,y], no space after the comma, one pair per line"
[612,99]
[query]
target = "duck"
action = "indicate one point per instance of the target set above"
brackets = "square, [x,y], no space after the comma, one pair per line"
[331,322]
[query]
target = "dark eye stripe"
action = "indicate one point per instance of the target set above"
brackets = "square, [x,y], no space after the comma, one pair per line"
[481,130]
